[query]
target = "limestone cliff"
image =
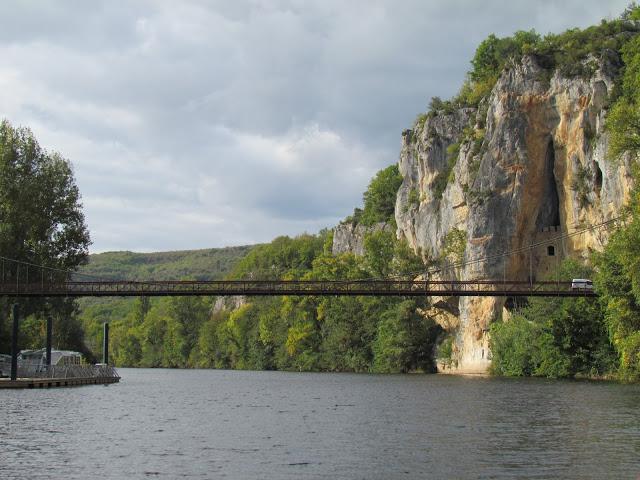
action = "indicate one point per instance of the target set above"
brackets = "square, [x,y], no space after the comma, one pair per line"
[228,303]
[524,167]
[349,237]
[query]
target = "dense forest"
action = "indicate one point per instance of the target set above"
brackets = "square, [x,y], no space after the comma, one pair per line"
[550,337]
[310,333]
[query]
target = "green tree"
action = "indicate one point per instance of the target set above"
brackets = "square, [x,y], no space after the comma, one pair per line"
[348,331]
[405,262]
[190,313]
[154,337]
[379,252]
[555,337]
[284,257]
[141,307]
[632,12]
[126,346]
[513,354]
[404,340]
[380,197]
[210,348]
[618,283]
[345,266]
[489,60]
[623,122]
[239,339]
[41,222]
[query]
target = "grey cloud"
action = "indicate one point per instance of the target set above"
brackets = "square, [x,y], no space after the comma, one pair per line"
[198,123]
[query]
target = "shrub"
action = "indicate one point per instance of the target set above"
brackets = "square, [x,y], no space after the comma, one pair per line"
[447,175]
[580,185]
[454,245]
[414,197]
[522,348]
[420,121]
[439,106]
[444,353]
[511,347]
[354,218]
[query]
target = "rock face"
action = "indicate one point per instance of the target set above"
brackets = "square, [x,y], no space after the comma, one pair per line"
[349,238]
[228,303]
[526,167]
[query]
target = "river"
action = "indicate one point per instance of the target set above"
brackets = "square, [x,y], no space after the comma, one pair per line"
[272,425]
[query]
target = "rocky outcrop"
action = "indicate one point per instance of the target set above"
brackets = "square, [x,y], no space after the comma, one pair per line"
[527,166]
[349,237]
[228,303]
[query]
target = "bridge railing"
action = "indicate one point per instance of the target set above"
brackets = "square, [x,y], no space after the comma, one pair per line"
[482,287]
[32,370]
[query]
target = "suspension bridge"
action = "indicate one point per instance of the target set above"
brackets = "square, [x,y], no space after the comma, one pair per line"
[408,288]
[20,279]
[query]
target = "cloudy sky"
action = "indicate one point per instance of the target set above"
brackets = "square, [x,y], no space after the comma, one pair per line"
[195,124]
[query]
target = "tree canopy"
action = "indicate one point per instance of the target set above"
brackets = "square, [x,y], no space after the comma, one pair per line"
[623,122]
[41,221]
[555,337]
[292,333]
[573,53]
[380,197]
[41,217]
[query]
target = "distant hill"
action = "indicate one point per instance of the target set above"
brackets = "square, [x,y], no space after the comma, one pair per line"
[206,264]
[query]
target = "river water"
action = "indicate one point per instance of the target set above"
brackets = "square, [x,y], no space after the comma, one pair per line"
[272,425]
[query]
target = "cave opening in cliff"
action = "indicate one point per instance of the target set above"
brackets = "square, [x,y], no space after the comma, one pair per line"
[549,213]
[598,179]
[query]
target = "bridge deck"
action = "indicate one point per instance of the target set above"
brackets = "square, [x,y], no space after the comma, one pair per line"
[478,288]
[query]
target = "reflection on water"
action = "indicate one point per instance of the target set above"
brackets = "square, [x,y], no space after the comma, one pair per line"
[244,425]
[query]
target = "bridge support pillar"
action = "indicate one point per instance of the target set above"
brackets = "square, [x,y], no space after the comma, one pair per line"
[49,337]
[14,344]
[105,344]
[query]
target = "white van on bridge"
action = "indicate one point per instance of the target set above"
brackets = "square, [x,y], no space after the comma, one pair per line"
[582,284]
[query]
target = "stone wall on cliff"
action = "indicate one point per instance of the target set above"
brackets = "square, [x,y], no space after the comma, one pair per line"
[528,165]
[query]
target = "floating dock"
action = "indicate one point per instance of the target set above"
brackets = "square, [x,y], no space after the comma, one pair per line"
[38,376]
[55,382]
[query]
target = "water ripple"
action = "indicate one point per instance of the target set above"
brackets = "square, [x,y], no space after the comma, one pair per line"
[272,425]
